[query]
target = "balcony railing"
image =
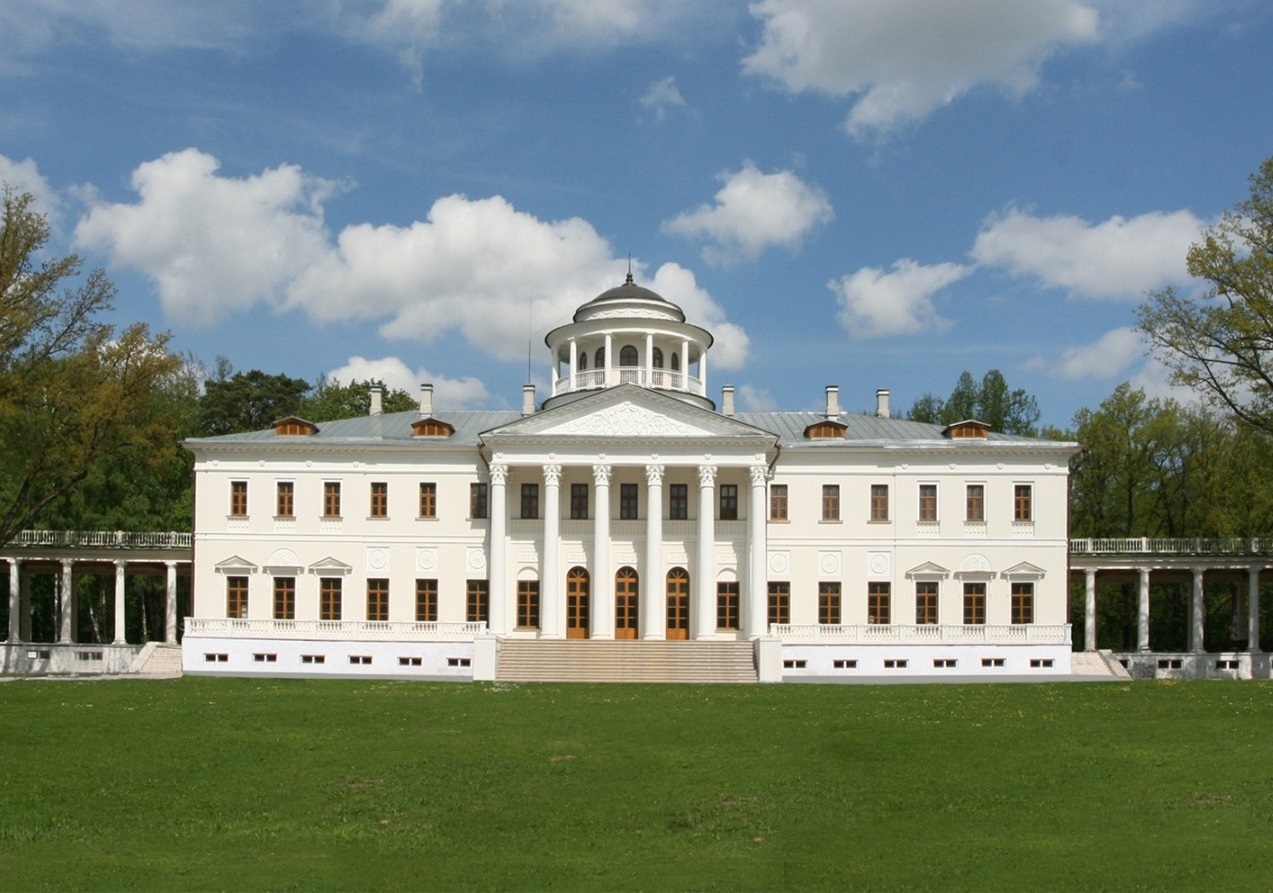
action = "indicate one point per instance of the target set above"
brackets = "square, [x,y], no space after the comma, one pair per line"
[1172,546]
[921,634]
[660,379]
[102,539]
[381,630]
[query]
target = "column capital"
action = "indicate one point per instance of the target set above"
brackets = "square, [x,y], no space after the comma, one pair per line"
[759,474]
[601,474]
[552,475]
[654,475]
[499,473]
[706,475]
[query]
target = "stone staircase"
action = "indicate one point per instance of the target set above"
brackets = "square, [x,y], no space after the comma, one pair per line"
[158,660]
[1097,664]
[596,660]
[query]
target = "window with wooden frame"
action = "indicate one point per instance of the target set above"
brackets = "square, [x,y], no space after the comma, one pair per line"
[1023,503]
[729,502]
[579,502]
[879,597]
[928,503]
[830,502]
[1023,603]
[285,499]
[926,602]
[284,598]
[428,499]
[829,603]
[331,499]
[478,505]
[727,605]
[779,602]
[777,502]
[236,597]
[678,502]
[379,499]
[530,501]
[528,604]
[477,601]
[628,502]
[879,502]
[378,599]
[329,591]
[239,499]
[426,601]
[974,603]
[975,504]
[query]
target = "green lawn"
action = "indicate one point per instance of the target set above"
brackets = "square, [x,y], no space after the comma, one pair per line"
[234,784]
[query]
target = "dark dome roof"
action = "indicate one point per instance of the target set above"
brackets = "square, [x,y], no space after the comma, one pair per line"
[628,293]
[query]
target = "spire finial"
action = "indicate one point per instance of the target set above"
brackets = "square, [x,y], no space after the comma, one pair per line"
[628,281]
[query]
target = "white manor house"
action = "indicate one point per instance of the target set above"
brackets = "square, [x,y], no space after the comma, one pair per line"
[629,528]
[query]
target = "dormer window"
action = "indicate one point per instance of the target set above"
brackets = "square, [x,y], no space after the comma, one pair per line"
[294,427]
[826,430]
[969,429]
[431,427]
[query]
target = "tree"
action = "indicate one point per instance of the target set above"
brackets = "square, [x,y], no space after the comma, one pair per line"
[332,400]
[990,401]
[247,401]
[1221,342]
[73,391]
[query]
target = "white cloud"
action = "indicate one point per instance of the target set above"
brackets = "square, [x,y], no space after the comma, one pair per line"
[661,97]
[1119,258]
[1107,357]
[753,211]
[677,284]
[448,393]
[903,59]
[25,176]
[754,399]
[875,303]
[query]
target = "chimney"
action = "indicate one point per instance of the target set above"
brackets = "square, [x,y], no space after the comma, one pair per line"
[833,400]
[528,399]
[376,393]
[881,403]
[727,400]
[426,400]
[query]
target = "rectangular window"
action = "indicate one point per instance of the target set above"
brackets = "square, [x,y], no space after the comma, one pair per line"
[779,603]
[878,602]
[1023,603]
[477,501]
[239,499]
[377,599]
[727,605]
[1023,503]
[329,598]
[777,502]
[530,501]
[236,597]
[284,598]
[829,603]
[974,603]
[579,502]
[628,502]
[379,499]
[285,499]
[729,502]
[830,502]
[331,499]
[528,604]
[477,601]
[428,499]
[975,504]
[928,502]
[926,601]
[678,502]
[879,502]
[426,601]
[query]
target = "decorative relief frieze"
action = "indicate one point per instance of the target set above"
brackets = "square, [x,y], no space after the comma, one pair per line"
[627,420]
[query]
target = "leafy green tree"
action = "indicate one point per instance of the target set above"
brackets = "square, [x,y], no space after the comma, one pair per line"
[1011,411]
[234,402]
[332,400]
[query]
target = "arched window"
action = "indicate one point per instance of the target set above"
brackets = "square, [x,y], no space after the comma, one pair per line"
[577,603]
[601,358]
[583,361]
[676,363]
[627,355]
[658,358]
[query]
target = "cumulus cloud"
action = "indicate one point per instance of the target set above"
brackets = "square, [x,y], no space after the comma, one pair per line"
[875,303]
[754,399]
[1119,258]
[904,59]
[753,211]
[661,97]
[25,176]
[1107,357]
[448,393]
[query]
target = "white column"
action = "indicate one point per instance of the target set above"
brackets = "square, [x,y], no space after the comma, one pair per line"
[1196,643]
[703,590]
[755,606]
[498,549]
[609,379]
[574,366]
[552,592]
[1253,610]
[702,370]
[120,633]
[1089,609]
[170,603]
[684,384]
[649,359]
[15,600]
[24,584]
[1142,612]
[66,589]
[654,585]
[602,608]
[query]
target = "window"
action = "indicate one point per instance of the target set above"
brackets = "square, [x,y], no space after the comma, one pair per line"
[599,359]
[236,597]
[628,502]
[329,598]
[1023,603]
[779,603]
[477,501]
[678,505]
[830,502]
[428,499]
[727,605]
[379,499]
[729,502]
[579,502]
[829,603]
[926,601]
[777,502]
[1022,503]
[239,498]
[284,598]
[975,504]
[285,499]
[878,598]
[530,501]
[658,358]
[879,502]
[974,603]
[377,599]
[528,604]
[426,601]
[928,502]
[331,499]
[627,355]
[477,601]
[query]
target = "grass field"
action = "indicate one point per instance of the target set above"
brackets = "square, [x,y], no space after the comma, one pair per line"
[231,784]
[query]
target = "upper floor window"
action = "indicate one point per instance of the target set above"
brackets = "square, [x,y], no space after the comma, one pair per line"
[879,502]
[238,498]
[678,502]
[285,499]
[579,502]
[676,363]
[378,599]
[928,502]
[830,502]
[1023,503]
[331,499]
[530,501]
[657,358]
[379,499]
[600,362]
[477,501]
[729,502]
[975,503]
[428,499]
[829,603]
[627,355]
[628,502]
[777,502]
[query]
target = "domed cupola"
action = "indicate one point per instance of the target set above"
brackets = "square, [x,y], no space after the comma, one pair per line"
[629,335]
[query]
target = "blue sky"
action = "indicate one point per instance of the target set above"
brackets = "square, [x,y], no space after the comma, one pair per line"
[853,192]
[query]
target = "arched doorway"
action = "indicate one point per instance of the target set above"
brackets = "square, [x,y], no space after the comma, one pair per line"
[577,590]
[678,603]
[626,603]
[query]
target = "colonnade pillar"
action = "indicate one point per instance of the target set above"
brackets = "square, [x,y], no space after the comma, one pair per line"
[602,575]
[67,606]
[755,605]
[551,593]
[15,600]
[495,566]
[653,621]
[1089,609]
[1142,612]
[1253,610]
[703,608]
[170,602]
[1196,644]
[120,635]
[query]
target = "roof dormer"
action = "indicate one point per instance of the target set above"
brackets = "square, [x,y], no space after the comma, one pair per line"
[294,427]
[969,429]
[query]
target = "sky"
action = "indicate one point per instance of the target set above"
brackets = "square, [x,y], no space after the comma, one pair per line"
[865,193]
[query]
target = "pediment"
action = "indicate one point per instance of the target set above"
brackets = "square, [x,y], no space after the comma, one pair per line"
[1024,569]
[235,564]
[330,565]
[928,569]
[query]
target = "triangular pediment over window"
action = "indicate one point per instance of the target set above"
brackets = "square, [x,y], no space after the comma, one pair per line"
[928,569]
[1024,570]
[235,564]
[330,566]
